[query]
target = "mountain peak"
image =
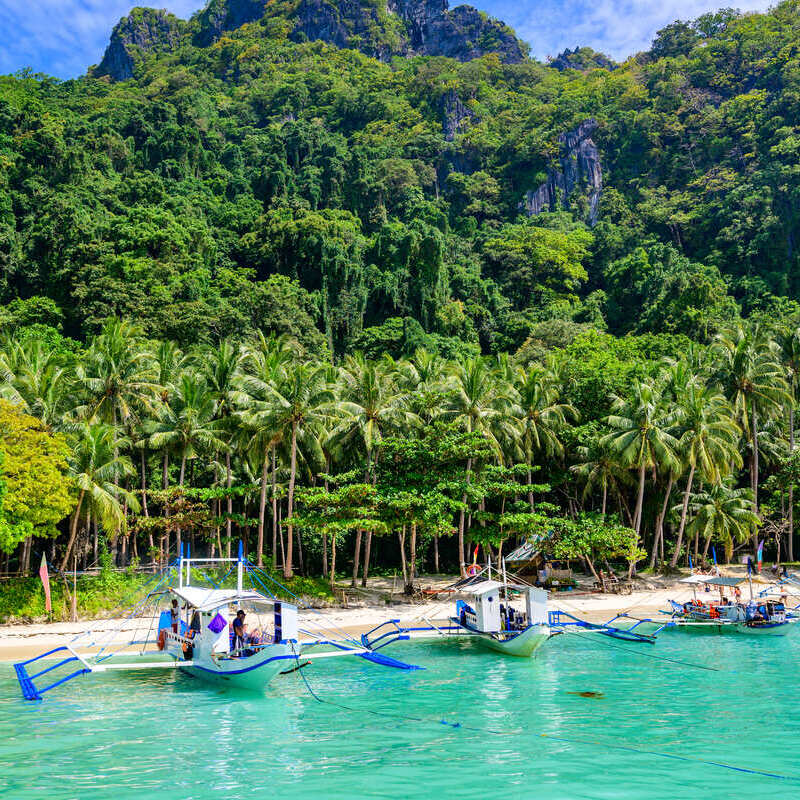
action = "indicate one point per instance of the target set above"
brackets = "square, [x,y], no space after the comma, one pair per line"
[378,28]
[144,30]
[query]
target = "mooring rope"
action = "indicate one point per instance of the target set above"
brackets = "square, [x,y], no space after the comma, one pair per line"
[543,735]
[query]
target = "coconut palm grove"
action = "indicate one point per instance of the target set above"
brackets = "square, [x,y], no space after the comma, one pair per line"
[380,302]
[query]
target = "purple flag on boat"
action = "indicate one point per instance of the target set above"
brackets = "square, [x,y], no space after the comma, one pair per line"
[218,624]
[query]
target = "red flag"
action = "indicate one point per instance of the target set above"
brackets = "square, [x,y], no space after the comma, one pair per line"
[475,555]
[45,576]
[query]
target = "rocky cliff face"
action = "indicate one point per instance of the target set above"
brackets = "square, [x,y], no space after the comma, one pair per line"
[399,28]
[144,30]
[583,59]
[580,169]
[226,15]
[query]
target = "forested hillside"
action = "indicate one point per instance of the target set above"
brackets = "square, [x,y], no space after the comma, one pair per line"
[400,181]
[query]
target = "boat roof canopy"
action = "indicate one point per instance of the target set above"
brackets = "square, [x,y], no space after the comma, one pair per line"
[483,587]
[208,599]
[724,581]
[713,580]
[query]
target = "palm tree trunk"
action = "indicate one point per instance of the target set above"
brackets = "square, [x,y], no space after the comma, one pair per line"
[436,554]
[164,486]
[412,568]
[325,533]
[605,498]
[401,535]
[530,481]
[755,474]
[637,515]
[262,510]
[790,537]
[275,514]
[367,549]
[287,570]
[356,558]
[228,521]
[333,561]
[144,486]
[73,531]
[462,565]
[660,524]
[684,510]
[181,476]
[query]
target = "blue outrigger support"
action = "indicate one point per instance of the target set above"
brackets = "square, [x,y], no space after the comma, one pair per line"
[398,634]
[561,621]
[26,682]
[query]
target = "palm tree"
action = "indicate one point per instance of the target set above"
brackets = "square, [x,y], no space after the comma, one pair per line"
[294,402]
[640,436]
[752,377]
[789,341]
[599,466]
[368,406]
[263,361]
[708,442]
[37,378]
[478,402]
[542,416]
[186,425]
[95,467]
[117,374]
[725,514]
[221,368]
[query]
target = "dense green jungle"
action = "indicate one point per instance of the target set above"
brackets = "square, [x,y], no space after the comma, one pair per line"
[370,298]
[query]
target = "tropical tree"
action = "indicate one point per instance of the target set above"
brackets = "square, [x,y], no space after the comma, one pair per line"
[708,442]
[753,378]
[367,408]
[542,416]
[96,467]
[478,402]
[641,436]
[723,514]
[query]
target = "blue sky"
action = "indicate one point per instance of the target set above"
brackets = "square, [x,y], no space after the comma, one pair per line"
[63,37]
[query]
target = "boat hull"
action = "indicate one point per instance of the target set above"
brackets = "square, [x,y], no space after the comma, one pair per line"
[523,645]
[251,672]
[767,629]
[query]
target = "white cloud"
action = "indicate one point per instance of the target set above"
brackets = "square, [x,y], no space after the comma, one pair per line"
[617,27]
[63,37]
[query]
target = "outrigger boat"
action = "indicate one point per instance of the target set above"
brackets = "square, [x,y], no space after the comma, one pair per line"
[201,641]
[756,617]
[488,619]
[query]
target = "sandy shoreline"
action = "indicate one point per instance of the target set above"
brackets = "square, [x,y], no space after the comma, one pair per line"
[25,640]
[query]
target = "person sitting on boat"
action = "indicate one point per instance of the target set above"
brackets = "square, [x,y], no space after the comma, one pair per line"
[175,615]
[239,634]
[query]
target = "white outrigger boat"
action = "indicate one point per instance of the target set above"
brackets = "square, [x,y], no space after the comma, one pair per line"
[488,619]
[199,638]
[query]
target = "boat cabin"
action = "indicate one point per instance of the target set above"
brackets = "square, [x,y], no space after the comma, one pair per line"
[491,611]
[206,627]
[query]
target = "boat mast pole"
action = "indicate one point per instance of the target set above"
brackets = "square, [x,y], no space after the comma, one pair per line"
[240,568]
[180,568]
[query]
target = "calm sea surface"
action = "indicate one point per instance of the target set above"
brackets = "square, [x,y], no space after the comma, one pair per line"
[523,733]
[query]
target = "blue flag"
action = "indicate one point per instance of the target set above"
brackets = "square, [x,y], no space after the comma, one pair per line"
[714,553]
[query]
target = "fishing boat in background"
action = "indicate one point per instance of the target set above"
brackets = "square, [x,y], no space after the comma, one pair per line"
[487,617]
[729,615]
[196,634]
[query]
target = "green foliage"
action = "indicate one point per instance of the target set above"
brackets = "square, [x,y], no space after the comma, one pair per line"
[37,492]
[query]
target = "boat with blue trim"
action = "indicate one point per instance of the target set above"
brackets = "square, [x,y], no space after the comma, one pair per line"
[241,637]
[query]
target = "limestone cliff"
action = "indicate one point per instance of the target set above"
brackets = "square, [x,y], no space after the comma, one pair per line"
[379,29]
[143,31]
[579,169]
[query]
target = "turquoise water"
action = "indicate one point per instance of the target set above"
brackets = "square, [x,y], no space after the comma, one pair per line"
[171,736]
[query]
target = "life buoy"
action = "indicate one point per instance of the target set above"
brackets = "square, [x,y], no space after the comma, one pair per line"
[162,638]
